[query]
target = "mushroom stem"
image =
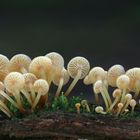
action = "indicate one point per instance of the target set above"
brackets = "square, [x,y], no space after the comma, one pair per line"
[9,99]
[59,87]
[120,106]
[5,111]
[73,83]
[123,96]
[27,96]
[32,92]
[18,100]
[87,108]
[5,107]
[136,94]
[113,104]
[36,102]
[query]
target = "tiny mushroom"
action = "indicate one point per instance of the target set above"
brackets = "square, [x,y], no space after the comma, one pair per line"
[132,104]
[78,105]
[85,105]
[78,68]
[100,110]
[120,106]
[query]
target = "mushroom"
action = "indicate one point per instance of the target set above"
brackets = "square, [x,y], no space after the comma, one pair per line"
[41,86]
[29,81]
[100,110]
[78,105]
[60,80]
[113,73]
[19,63]
[78,68]
[98,88]
[134,75]
[4,62]
[123,82]
[57,61]
[6,96]
[85,105]
[120,106]
[128,98]
[96,73]
[41,66]
[132,104]
[117,96]
[14,83]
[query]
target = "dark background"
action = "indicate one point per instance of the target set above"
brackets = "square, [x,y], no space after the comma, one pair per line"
[105,32]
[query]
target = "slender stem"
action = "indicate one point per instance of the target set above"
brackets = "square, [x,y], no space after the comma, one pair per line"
[119,111]
[59,87]
[132,110]
[107,95]
[32,92]
[105,100]
[4,111]
[27,96]
[5,107]
[73,83]
[125,106]
[9,98]
[123,96]
[36,101]
[87,108]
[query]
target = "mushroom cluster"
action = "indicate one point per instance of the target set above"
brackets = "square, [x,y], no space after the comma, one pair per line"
[125,85]
[24,79]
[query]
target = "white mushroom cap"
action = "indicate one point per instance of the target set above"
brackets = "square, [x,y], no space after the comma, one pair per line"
[14,81]
[4,62]
[41,86]
[57,61]
[132,103]
[40,64]
[128,97]
[113,73]
[19,61]
[134,75]
[99,109]
[78,63]
[64,74]
[123,82]
[96,73]
[117,93]
[98,86]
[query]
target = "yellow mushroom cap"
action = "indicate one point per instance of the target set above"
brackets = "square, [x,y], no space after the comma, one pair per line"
[99,109]
[123,82]
[132,103]
[117,93]
[57,61]
[29,80]
[41,86]
[96,73]
[77,105]
[134,75]
[19,61]
[113,73]
[39,64]
[120,105]
[78,63]
[64,74]
[98,86]
[14,81]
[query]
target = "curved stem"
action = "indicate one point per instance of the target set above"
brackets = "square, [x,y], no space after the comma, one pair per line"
[105,100]
[125,106]
[113,104]
[59,87]
[73,83]
[5,107]
[5,112]
[36,101]
[27,96]
[9,99]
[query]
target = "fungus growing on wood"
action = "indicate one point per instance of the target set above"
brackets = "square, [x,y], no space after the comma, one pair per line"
[41,87]
[78,68]
[14,83]
[19,63]
[60,80]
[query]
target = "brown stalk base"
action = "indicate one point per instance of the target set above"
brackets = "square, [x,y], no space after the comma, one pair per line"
[68,126]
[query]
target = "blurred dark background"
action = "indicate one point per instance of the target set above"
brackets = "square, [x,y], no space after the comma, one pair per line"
[105,32]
